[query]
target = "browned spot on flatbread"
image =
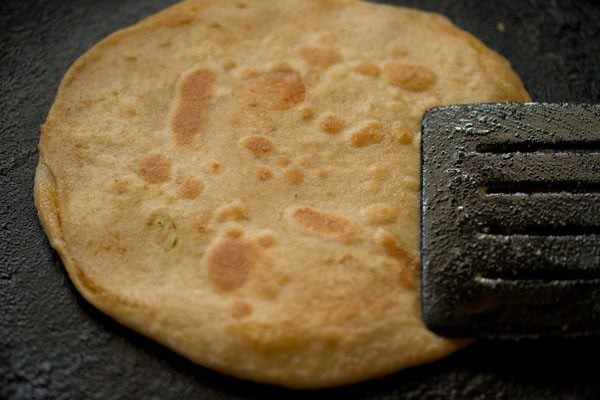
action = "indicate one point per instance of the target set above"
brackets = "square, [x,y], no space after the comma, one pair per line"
[234,211]
[403,135]
[249,73]
[283,161]
[228,63]
[331,123]
[306,112]
[373,186]
[324,223]
[322,173]
[282,67]
[274,90]
[264,172]
[284,89]
[322,57]
[367,68]
[155,168]
[304,160]
[230,261]
[121,185]
[264,338]
[240,309]
[370,133]
[293,175]
[378,172]
[212,167]
[268,290]
[189,117]
[88,283]
[258,145]
[234,231]
[191,187]
[379,213]
[267,239]
[175,17]
[412,77]
[409,271]
[411,183]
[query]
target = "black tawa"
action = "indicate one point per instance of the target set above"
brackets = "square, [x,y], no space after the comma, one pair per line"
[54,345]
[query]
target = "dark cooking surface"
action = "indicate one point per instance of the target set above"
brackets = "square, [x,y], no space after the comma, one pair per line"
[54,345]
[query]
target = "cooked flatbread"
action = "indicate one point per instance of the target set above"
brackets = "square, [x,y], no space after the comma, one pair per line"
[239,180]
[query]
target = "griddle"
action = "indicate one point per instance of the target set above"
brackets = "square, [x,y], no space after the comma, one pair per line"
[54,345]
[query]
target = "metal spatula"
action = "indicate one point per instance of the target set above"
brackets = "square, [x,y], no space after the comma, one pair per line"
[510,220]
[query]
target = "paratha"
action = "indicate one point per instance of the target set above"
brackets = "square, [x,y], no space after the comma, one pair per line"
[238,180]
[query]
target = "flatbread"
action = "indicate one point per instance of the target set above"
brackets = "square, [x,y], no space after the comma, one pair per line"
[238,180]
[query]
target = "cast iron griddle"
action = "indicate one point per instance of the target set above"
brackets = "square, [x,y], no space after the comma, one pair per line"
[53,345]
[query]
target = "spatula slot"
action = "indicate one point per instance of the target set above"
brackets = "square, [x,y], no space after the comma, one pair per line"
[531,187]
[535,172]
[533,281]
[540,230]
[536,211]
[534,257]
[540,279]
[591,146]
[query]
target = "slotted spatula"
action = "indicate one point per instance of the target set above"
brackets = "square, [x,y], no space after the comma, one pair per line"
[510,220]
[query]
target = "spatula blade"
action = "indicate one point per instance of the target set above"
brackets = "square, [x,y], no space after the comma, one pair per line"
[510,220]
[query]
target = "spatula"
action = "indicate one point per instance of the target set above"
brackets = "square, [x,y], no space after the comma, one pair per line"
[510,220]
